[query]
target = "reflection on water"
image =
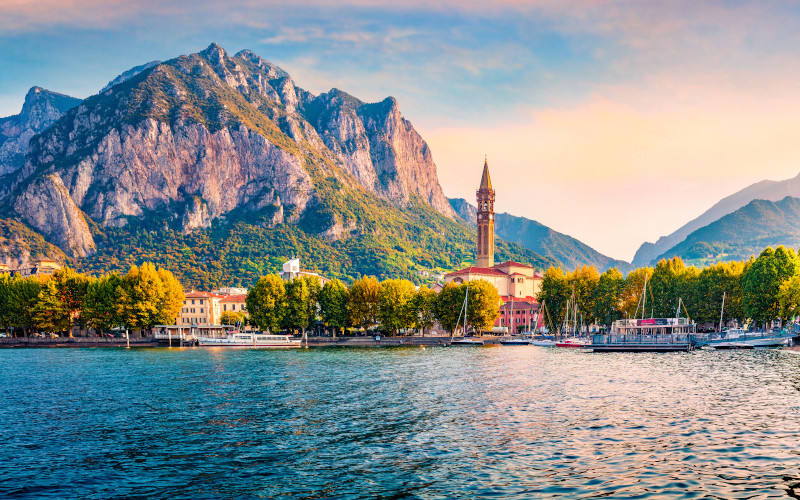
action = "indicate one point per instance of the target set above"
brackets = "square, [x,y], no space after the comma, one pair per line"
[513,422]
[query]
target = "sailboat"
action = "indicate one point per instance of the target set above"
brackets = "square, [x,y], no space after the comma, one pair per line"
[571,325]
[544,341]
[465,340]
[512,340]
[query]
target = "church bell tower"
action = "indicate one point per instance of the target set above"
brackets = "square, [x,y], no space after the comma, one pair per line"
[485,220]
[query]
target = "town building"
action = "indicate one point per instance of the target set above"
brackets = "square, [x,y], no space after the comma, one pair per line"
[520,315]
[42,267]
[511,279]
[292,270]
[200,308]
[230,290]
[234,303]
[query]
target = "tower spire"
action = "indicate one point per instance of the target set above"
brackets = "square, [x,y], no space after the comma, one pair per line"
[486,181]
[485,222]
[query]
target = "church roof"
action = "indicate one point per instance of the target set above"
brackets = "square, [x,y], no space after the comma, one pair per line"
[486,182]
[478,270]
[511,263]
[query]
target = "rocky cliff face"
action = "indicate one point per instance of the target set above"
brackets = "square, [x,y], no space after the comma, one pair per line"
[207,134]
[40,110]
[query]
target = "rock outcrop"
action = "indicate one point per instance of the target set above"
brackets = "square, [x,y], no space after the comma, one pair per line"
[207,134]
[47,206]
[40,110]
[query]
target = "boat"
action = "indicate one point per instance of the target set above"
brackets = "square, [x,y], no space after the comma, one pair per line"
[739,336]
[250,339]
[516,341]
[467,341]
[578,342]
[733,345]
[544,343]
[648,334]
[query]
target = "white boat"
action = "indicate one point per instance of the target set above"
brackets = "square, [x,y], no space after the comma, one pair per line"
[573,342]
[516,341]
[467,341]
[544,343]
[250,339]
[737,338]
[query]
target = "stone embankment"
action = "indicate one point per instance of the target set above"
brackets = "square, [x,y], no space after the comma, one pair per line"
[75,342]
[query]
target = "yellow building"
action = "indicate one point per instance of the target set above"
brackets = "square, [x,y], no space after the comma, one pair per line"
[42,267]
[200,308]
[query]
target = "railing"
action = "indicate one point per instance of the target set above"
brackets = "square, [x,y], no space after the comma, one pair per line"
[641,339]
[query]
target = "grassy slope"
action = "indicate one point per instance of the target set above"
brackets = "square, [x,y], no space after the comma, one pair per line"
[743,233]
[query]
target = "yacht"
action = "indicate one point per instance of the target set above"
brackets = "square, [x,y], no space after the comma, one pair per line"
[250,339]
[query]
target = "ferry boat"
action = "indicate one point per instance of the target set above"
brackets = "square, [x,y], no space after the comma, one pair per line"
[647,335]
[249,339]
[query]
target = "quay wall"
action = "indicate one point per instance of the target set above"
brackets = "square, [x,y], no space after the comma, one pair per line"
[75,342]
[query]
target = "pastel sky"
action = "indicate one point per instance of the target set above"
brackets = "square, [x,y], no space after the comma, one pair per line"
[612,121]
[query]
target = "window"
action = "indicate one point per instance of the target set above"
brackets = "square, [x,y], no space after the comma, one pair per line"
[201,310]
[192,301]
[201,302]
[224,307]
[233,307]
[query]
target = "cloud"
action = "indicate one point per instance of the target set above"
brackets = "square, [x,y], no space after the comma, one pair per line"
[613,170]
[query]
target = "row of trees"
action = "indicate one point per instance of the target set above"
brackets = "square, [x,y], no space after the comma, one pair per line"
[392,305]
[760,290]
[144,297]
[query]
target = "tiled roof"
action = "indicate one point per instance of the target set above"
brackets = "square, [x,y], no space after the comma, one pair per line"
[512,263]
[193,294]
[233,298]
[478,270]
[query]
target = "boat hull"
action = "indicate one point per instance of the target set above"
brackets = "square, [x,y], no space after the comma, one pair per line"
[544,343]
[467,342]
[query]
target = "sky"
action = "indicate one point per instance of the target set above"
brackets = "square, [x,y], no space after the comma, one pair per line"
[613,121]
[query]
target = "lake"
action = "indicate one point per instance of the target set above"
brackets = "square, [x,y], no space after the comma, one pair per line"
[447,422]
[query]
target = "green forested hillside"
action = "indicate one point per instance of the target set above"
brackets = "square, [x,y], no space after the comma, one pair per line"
[743,233]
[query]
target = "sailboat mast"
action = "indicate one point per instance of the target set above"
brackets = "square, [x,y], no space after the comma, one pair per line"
[644,296]
[721,312]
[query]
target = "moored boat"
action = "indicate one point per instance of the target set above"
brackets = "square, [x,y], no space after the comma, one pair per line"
[577,342]
[516,341]
[467,341]
[249,339]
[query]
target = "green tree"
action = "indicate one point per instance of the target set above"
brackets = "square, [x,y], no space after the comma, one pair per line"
[148,297]
[72,288]
[607,297]
[266,302]
[171,301]
[761,283]
[554,294]
[51,312]
[448,306]
[664,288]
[364,302]
[5,301]
[333,304]
[424,308]
[484,305]
[100,309]
[297,312]
[23,298]
[396,309]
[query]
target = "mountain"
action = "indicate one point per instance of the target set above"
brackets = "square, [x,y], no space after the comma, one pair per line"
[127,75]
[40,110]
[566,250]
[764,190]
[745,232]
[221,167]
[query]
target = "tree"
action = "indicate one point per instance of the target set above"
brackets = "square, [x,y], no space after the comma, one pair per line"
[266,302]
[333,304]
[789,297]
[51,312]
[100,309]
[448,306]
[23,298]
[148,297]
[483,305]
[72,288]
[231,318]
[424,308]
[396,309]
[297,305]
[607,297]
[314,289]
[171,301]
[632,291]
[762,281]
[364,302]
[664,288]
[5,301]
[554,294]
[583,281]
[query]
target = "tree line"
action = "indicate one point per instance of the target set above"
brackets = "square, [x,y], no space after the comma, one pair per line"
[145,296]
[394,305]
[757,290]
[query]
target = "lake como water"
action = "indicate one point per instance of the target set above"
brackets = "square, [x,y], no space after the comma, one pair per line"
[500,422]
